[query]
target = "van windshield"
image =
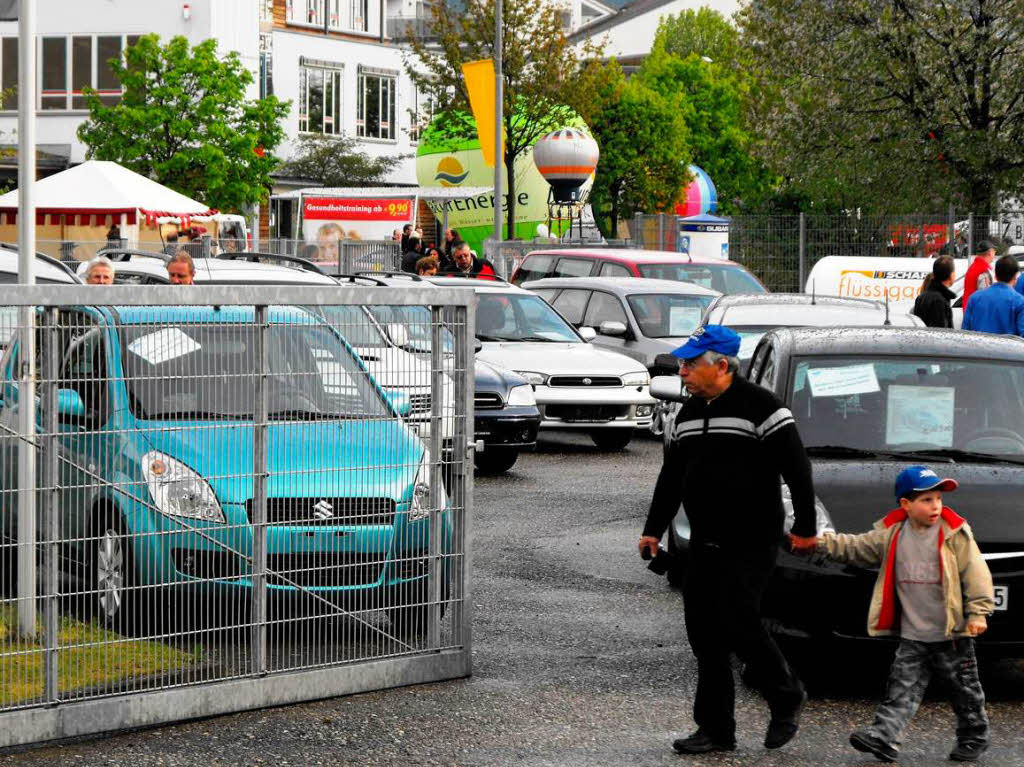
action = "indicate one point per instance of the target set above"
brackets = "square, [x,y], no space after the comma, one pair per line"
[198,371]
[723,278]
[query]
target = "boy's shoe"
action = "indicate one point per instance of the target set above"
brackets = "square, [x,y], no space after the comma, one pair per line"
[783,727]
[968,752]
[862,740]
[702,743]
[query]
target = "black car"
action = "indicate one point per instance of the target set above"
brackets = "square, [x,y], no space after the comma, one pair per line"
[506,417]
[868,402]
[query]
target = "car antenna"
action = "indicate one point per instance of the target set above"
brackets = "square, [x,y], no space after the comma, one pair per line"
[887,322]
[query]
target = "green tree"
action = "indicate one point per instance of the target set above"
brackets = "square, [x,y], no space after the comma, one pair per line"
[545,80]
[895,104]
[184,121]
[712,97]
[644,151]
[337,161]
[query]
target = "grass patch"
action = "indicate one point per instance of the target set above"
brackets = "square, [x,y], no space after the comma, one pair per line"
[88,657]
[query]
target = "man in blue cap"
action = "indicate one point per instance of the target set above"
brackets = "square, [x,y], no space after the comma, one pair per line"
[731,442]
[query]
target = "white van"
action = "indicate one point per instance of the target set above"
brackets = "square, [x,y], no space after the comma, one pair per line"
[897,279]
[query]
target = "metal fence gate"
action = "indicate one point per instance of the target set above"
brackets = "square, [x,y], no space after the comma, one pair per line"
[220,498]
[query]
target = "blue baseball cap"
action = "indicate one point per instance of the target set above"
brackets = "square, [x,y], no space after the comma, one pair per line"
[921,478]
[709,338]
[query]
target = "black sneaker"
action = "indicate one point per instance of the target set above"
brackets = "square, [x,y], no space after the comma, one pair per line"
[968,752]
[700,743]
[870,744]
[782,727]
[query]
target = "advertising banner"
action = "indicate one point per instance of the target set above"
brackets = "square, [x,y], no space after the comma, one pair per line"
[326,220]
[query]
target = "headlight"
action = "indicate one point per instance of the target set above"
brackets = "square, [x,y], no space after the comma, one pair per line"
[177,490]
[537,379]
[822,519]
[521,396]
[636,379]
[420,506]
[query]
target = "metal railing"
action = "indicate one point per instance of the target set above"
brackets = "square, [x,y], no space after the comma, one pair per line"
[339,256]
[221,494]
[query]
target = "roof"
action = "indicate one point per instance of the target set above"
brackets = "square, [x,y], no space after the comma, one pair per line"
[793,299]
[635,255]
[358,192]
[622,286]
[98,186]
[625,13]
[911,342]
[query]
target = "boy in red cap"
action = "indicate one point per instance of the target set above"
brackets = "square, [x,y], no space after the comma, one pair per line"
[933,591]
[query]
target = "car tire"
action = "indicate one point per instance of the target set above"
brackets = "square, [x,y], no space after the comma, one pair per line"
[495,460]
[676,574]
[109,597]
[612,439]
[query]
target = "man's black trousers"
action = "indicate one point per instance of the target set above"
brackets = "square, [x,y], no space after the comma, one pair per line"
[722,600]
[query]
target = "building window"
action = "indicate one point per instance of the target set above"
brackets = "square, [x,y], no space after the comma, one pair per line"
[311,13]
[359,15]
[68,66]
[266,66]
[423,109]
[9,73]
[375,105]
[319,100]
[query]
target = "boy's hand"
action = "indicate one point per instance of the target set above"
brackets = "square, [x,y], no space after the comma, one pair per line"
[976,625]
[648,543]
[801,545]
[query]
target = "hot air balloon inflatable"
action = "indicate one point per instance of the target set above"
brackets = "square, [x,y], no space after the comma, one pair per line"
[699,197]
[567,159]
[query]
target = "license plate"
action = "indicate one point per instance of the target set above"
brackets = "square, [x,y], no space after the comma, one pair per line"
[1002,595]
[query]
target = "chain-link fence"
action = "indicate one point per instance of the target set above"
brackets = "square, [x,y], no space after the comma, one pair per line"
[218,505]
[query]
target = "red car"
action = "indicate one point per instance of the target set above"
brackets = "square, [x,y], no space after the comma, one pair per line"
[714,273]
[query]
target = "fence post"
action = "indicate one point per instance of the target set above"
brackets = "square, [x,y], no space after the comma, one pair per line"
[802,257]
[661,232]
[27,538]
[258,601]
[951,222]
[49,504]
[437,490]
[463,449]
[970,235]
[920,237]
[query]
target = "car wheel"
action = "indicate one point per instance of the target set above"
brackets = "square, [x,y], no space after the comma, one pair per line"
[495,460]
[612,439]
[111,574]
[676,574]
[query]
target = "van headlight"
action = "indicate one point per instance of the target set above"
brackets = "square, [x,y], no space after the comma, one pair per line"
[177,490]
[537,379]
[420,506]
[521,396]
[822,519]
[636,379]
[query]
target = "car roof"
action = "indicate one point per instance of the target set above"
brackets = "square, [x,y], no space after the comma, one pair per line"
[793,299]
[634,255]
[795,315]
[488,286]
[887,341]
[210,269]
[157,315]
[622,286]
[46,268]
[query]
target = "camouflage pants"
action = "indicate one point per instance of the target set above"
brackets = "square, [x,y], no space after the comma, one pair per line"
[952,662]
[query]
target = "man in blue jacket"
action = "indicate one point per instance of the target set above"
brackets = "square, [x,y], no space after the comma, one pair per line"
[1000,309]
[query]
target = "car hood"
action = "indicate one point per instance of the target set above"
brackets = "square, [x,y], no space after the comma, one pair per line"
[303,458]
[558,358]
[392,367]
[491,377]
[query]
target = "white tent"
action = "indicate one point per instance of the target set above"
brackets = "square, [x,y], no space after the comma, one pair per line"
[100,193]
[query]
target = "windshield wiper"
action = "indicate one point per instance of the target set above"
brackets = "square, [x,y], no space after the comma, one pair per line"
[177,415]
[493,338]
[954,454]
[543,339]
[857,452]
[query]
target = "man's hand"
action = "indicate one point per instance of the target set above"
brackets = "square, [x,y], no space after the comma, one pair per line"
[800,545]
[976,625]
[648,543]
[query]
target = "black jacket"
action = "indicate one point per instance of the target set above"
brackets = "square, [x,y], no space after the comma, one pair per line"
[932,305]
[724,465]
[409,259]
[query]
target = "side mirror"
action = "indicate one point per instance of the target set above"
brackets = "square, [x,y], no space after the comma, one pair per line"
[399,401]
[477,344]
[612,328]
[69,404]
[588,334]
[668,388]
[399,334]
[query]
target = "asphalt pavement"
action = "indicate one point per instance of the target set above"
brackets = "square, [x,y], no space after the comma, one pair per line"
[580,658]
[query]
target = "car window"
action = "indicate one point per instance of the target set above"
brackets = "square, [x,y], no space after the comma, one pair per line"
[604,307]
[611,269]
[84,367]
[768,373]
[724,279]
[505,317]
[899,404]
[571,304]
[573,267]
[667,315]
[352,324]
[534,268]
[547,294]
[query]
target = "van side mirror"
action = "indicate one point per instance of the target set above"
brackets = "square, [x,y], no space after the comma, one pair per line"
[668,388]
[588,334]
[399,334]
[612,328]
[69,404]
[399,401]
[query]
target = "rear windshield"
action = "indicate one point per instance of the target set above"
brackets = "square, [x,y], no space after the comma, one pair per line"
[725,278]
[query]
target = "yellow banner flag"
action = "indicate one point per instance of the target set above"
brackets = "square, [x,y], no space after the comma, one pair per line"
[480,86]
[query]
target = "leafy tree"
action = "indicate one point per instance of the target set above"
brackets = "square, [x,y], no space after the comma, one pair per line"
[184,121]
[644,151]
[894,103]
[544,78]
[337,161]
[712,97]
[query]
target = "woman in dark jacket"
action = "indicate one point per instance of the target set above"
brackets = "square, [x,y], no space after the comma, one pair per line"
[932,305]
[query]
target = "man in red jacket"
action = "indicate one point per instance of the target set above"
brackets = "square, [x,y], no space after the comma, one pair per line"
[468,265]
[979,273]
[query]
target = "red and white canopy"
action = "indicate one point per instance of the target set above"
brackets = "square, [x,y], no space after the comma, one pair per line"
[97,189]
